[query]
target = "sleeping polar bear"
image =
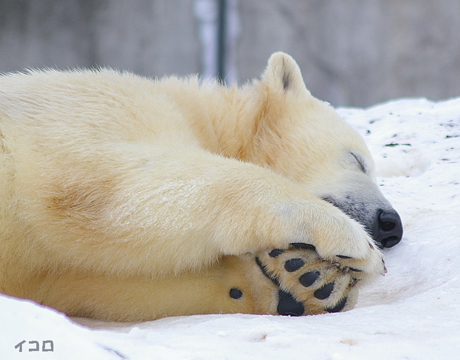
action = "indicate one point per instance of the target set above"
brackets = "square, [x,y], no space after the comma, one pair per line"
[123,198]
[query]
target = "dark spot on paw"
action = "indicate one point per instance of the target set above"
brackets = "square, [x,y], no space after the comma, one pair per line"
[275,252]
[287,305]
[309,278]
[293,264]
[303,246]
[343,256]
[339,307]
[235,293]
[324,292]
[334,266]
[355,270]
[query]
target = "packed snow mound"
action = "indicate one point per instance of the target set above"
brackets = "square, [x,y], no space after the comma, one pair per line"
[411,313]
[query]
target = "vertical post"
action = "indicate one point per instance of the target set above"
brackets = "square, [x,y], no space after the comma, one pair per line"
[219,29]
[221,41]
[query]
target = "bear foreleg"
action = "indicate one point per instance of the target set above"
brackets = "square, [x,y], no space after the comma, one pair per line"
[180,212]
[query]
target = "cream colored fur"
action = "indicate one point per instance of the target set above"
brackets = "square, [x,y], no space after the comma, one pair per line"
[122,198]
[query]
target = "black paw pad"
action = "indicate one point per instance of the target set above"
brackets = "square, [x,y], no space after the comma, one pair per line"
[324,292]
[309,278]
[339,307]
[235,293]
[287,305]
[275,252]
[293,264]
[343,256]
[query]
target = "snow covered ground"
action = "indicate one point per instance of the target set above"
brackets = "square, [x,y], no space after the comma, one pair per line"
[411,313]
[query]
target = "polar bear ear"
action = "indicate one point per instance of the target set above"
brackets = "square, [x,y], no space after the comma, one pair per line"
[283,73]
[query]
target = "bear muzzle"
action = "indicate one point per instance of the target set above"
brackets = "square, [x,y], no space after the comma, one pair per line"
[383,223]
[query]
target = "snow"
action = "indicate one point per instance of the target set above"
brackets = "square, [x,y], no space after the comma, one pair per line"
[411,313]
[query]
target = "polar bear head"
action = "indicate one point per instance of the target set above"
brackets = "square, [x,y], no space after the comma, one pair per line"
[304,139]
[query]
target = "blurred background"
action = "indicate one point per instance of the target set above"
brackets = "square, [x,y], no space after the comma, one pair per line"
[351,52]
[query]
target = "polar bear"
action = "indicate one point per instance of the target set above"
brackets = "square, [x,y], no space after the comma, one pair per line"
[127,199]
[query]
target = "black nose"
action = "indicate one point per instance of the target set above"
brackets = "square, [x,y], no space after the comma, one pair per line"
[387,230]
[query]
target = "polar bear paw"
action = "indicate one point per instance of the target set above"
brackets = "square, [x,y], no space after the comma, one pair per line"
[308,284]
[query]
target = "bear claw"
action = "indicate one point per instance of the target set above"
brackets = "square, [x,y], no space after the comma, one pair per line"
[334,266]
[343,256]
[303,246]
[275,252]
[353,282]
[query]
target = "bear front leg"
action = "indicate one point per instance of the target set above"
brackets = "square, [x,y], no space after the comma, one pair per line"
[228,207]
[171,211]
[262,209]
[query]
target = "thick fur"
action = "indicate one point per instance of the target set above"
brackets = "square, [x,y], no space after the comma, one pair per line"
[124,198]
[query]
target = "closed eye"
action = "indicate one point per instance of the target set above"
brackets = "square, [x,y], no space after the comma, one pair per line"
[360,162]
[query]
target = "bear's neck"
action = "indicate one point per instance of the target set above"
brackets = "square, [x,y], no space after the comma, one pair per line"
[225,120]
[233,115]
